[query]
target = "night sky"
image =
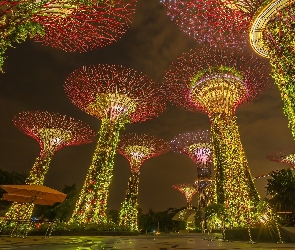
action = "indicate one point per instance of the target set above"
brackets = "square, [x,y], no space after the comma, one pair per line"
[33,80]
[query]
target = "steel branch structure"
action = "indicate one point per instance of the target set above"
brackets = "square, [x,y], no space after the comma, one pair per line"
[70,25]
[52,131]
[217,82]
[188,190]
[197,145]
[137,148]
[76,27]
[283,157]
[116,95]
[267,24]
[218,22]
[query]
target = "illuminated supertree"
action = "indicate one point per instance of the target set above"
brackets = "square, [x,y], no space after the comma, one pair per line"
[217,82]
[189,190]
[197,145]
[52,131]
[137,148]
[70,25]
[267,24]
[116,95]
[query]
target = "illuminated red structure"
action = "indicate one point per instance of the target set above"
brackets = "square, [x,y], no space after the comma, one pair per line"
[267,24]
[189,190]
[137,148]
[217,82]
[116,95]
[70,25]
[77,27]
[53,132]
[197,145]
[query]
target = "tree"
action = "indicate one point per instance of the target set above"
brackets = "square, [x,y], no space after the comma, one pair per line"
[281,187]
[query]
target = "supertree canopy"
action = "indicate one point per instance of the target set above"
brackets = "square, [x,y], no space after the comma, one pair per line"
[283,157]
[197,145]
[267,24]
[116,95]
[217,82]
[70,25]
[189,190]
[52,131]
[137,148]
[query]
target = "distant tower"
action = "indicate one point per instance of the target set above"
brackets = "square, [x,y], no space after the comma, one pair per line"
[137,148]
[217,82]
[74,26]
[53,132]
[197,145]
[117,96]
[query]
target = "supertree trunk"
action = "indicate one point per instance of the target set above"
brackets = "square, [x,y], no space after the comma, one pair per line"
[234,185]
[91,207]
[279,39]
[24,211]
[129,208]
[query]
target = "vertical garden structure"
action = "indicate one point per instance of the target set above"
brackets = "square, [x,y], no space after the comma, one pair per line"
[137,148]
[53,132]
[217,82]
[188,190]
[197,145]
[70,25]
[267,24]
[116,95]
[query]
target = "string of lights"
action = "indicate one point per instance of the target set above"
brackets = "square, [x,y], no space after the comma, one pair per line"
[116,95]
[52,131]
[217,82]
[137,148]
[70,25]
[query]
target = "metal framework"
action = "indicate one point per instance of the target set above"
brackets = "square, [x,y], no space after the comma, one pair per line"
[70,25]
[217,82]
[197,145]
[269,26]
[137,148]
[188,190]
[116,95]
[52,131]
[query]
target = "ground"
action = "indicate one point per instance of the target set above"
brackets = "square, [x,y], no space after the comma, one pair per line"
[149,242]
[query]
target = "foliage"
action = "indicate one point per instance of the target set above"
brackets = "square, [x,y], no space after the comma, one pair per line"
[16,23]
[280,40]
[215,216]
[152,221]
[281,187]
[59,211]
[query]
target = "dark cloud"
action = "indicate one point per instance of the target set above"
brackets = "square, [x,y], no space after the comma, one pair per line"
[34,78]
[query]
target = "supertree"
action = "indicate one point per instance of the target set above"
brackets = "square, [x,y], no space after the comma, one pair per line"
[137,148]
[197,145]
[70,25]
[189,190]
[217,82]
[267,24]
[52,131]
[116,95]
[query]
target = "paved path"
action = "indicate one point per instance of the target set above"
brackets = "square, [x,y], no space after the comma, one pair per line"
[132,242]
